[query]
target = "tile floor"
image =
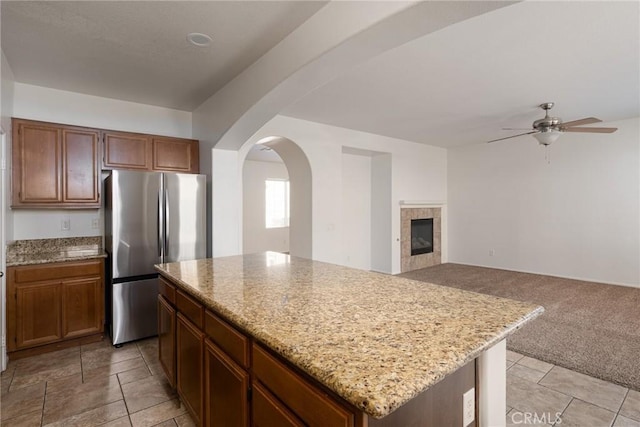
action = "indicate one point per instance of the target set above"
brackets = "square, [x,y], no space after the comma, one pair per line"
[539,393]
[97,384]
[92,385]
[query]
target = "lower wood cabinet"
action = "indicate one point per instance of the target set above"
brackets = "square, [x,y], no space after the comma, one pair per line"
[52,303]
[268,411]
[167,339]
[226,390]
[226,378]
[190,352]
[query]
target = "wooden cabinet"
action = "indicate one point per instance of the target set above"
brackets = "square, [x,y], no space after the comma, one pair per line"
[307,401]
[226,378]
[126,151]
[167,339]
[267,411]
[226,390]
[175,155]
[53,303]
[190,353]
[82,301]
[54,166]
[38,315]
[135,151]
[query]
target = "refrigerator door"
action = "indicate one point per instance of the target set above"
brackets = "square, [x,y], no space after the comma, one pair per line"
[134,310]
[135,222]
[185,216]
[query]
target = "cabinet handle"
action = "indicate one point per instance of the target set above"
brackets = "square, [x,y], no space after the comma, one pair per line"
[1,273]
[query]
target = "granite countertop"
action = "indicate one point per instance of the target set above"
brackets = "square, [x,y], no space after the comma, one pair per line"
[42,251]
[376,340]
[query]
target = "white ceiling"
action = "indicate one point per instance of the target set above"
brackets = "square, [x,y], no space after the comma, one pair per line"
[137,50]
[457,86]
[462,84]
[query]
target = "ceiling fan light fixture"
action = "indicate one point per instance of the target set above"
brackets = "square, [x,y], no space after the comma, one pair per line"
[547,137]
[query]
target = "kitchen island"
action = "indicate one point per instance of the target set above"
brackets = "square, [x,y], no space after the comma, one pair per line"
[364,344]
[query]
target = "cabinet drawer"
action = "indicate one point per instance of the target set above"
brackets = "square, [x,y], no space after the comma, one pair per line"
[167,290]
[63,270]
[190,308]
[309,403]
[268,412]
[235,344]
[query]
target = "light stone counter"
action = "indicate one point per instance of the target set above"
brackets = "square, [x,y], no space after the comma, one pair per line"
[43,251]
[376,340]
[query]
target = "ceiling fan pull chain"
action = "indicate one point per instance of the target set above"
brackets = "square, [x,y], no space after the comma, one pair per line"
[547,154]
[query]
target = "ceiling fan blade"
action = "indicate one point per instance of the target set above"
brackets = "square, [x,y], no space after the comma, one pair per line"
[513,136]
[517,129]
[580,122]
[589,130]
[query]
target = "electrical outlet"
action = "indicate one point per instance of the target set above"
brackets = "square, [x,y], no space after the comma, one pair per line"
[468,407]
[65,224]
[95,223]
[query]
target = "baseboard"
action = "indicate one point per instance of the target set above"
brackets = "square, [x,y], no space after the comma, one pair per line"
[47,348]
[583,279]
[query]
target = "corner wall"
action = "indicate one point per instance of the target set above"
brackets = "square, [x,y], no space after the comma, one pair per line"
[577,216]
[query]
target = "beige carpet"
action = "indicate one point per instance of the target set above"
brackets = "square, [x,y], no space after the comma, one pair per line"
[588,327]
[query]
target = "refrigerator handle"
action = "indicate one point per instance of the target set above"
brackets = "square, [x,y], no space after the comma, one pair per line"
[166,223]
[160,226]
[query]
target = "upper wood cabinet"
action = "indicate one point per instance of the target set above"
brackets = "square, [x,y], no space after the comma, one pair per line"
[177,155]
[126,151]
[150,153]
[54,166]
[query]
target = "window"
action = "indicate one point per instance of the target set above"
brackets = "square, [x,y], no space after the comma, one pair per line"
[276,197]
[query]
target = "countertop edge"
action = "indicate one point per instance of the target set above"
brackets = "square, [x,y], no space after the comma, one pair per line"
[55,260]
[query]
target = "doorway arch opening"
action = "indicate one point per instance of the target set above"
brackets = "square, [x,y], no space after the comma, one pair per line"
[276,168]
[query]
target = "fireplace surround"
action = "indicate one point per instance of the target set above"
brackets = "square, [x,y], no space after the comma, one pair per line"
[423,255]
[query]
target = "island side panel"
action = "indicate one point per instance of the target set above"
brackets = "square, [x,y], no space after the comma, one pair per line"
[492,385]
[441,405]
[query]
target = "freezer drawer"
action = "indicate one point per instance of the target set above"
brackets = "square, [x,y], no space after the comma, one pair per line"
[134,310]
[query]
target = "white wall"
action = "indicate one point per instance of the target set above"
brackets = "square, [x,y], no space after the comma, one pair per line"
[7,90]
[51,105]
[418,172]
[6,216]
[256,237]
[356,210]
[577,216]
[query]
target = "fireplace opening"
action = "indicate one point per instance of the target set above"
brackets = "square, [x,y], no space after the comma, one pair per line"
[421,236]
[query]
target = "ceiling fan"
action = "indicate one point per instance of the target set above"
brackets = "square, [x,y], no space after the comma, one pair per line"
[548,129]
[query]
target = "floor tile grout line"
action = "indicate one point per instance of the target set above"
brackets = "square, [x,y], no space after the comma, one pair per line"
[44,402]
[565,410]
[544,376]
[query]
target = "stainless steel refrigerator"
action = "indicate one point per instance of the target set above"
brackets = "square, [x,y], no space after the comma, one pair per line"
[150,218]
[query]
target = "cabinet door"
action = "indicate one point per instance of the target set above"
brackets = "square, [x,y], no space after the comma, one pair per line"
[167,339]
[190,349]
[269,412]
[37,163]
[38,310]
[80,160]
[175,155]
[126,151]
[82,307]
[226,388]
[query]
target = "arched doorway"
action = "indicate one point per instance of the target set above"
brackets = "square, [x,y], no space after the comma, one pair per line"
[277,165]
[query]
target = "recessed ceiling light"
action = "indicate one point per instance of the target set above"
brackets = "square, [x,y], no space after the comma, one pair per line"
[199,39]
